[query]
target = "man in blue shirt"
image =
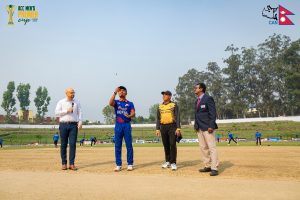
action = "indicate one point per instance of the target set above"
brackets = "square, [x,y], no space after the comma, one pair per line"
[55,139]
[124,111]
[218,136]
[258,137]
[231,138]
[1,142]
[81,142]
[93,140]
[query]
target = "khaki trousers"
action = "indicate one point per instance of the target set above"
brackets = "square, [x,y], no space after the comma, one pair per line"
[207,143]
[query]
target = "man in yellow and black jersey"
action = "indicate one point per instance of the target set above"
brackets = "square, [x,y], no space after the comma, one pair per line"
[168,126]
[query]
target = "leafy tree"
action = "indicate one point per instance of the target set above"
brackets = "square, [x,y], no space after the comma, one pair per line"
[266,78]
[291,61]
[185,96]
[153,113]
[23,92]
[234,82]
[41,101]
[215,87]
[274,95]
[251,81]
[109,114]
[9,101]
[139,120]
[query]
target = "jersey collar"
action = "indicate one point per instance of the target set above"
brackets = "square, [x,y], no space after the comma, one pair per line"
[125,100]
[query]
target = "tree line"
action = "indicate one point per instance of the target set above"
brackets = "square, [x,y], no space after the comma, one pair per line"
[22,94]
[262,81]
[254,82]
[109,115]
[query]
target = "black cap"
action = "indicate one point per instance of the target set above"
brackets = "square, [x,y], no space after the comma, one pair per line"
[178,138]
[167,92]
[123,88]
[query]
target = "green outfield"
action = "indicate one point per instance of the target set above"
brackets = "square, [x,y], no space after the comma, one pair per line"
[277,129]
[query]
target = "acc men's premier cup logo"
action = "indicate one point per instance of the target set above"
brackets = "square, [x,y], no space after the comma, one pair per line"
[10,11]
[25,14]
[277,15]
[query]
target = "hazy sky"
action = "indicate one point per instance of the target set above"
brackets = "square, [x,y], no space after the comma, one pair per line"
[149,44]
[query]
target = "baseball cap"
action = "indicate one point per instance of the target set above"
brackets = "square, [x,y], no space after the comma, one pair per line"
[167,92]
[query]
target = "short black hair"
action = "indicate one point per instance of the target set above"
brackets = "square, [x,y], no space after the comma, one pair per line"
[203,86]
[123,88]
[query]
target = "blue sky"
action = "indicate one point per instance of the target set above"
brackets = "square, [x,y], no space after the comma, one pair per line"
[149,44]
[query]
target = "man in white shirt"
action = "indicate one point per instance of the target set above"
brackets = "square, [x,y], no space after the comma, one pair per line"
[70,120]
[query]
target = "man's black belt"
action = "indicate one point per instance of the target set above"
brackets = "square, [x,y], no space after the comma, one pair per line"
[73,123]
[168,124]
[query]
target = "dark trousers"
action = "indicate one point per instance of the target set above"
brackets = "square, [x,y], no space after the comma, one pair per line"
[55,143]
[93,142]
[68,133]
[232,140]
[258,139]
[1,145]
[169,141]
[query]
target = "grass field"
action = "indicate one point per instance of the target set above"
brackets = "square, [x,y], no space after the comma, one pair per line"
[285,130]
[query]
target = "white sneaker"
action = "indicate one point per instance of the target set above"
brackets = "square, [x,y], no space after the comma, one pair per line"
[130,168]
[165,165]
[173,167]
[118,168]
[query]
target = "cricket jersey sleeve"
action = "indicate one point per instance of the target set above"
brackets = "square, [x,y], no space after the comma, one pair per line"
[116,104]
[177,115]
[158,119]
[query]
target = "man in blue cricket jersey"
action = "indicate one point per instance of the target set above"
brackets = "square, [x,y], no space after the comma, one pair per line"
[124,111]
[81,142]
[55,139]
[231,138]
[258,138]
[93,140]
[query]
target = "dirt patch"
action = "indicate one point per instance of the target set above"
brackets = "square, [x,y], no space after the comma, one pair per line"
[245,172]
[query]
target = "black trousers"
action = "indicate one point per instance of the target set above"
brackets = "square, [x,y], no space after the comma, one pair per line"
[169,141]
[258,139]
[232,140]
[93,142]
